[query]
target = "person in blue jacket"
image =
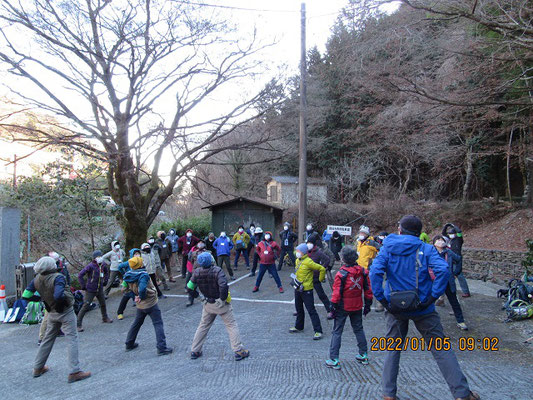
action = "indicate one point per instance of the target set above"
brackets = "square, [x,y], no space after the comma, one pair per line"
[126,294]
[223,246]
[397,259]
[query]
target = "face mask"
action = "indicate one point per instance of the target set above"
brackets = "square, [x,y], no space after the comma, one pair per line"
[252,230]
[241,230]
[267,237]
[117,246]
[151,241]
[440,243]
[362,237]
[299,255]
[201,245]
[136,254]
[451,235]
[310,246]
[309,227]
[381,237]
[172,232]
[286,228]
[189,234]
[222,234]
[147,249]
[163,236]
[99,260]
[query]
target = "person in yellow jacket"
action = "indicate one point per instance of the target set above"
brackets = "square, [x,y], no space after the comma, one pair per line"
[367,247]
[240,242]
[303,291]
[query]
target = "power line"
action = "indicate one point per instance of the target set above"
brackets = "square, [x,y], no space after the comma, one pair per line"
[253,9]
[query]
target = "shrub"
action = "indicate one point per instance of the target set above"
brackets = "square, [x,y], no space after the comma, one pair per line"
[200,224]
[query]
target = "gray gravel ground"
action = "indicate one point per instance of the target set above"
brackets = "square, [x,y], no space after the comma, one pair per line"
[281,365]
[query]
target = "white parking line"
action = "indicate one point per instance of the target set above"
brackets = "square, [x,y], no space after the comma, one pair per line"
[239,279]
[177,276]
[248,300]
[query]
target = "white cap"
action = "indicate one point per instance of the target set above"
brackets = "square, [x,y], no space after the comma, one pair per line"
[145,245]
[364,229]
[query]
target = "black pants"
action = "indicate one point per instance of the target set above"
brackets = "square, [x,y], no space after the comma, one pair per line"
[155,314]
[456,307]
[288,251]
[301,298]
[255,262]
[356,319]
[322,295]
[88,299]
[184,260]
[123,303]
[154,281]
[223,260]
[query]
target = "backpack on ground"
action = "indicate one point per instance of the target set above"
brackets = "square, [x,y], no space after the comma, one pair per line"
[15,313]
[34,313]
[519,300]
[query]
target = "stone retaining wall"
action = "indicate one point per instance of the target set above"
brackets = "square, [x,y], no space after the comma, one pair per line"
[492,265]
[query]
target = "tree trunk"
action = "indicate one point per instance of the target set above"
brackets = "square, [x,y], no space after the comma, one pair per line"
[508,166]
[135,231]
[469,173]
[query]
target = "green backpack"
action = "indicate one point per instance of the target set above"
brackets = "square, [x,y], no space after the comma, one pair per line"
[34,313]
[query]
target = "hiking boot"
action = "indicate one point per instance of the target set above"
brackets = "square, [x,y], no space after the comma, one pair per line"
[466,295]
[247,267]
[235,268]
[462,326]
[132,347]
[189,303]
[471,396]
[107,320]
[38,372]
[39,342]
[294,330]
[317,336]
[164,352]
[281,290]
[252,274]
[161,296]
[78,376]
[80,329]
[362,358]
[331,315]
[165,287]
[120,317]
[232,278]
[256,289]
[333,363]
[241,354]
[295,314]
[171,279]
[195,355]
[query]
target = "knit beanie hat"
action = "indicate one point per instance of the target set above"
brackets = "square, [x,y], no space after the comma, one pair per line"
[302,248]
[349,255]
[45,264]
[135,262]
[97,253]
[205,260]
[411,225]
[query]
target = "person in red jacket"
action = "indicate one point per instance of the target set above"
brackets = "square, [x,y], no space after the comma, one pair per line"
[268,252]
[351,284]
[185,245]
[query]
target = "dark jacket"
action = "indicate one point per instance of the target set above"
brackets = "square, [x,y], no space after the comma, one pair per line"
[268,252]
[93,276]
[209,245]
[456,244]
[288,239]
[165,248]
[53,290]
[186,244]
[455,263]
[335,244]
[321,258]
[212,282]
[357,284]
[397,259]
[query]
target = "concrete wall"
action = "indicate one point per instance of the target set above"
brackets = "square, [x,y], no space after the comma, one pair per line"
[9,247]
[493,265]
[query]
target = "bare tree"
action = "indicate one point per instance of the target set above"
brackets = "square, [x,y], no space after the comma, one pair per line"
[109,72]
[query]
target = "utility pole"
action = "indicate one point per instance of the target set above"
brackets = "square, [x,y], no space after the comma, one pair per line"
[302,179]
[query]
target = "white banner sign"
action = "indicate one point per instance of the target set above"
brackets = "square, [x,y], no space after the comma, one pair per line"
[343,230]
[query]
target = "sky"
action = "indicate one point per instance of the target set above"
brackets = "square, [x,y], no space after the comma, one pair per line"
[276,21]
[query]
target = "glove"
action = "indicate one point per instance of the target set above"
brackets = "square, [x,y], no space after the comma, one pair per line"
[220,303]
[425,304]
[366,309]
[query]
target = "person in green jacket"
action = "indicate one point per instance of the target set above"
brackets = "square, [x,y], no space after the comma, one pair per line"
[240,242]
[303,291]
